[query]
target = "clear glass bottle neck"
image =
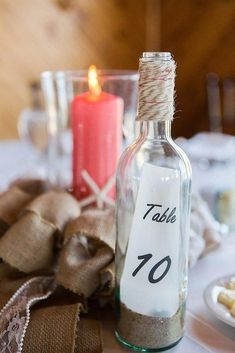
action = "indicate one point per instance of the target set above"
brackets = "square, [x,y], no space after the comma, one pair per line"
[156,130]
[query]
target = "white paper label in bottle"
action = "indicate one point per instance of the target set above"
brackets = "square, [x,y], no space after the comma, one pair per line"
[150,280]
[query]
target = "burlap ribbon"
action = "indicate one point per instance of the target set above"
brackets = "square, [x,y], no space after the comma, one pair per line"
[88,245]
[16,198]
[11,203]
[28,244]
[48,235]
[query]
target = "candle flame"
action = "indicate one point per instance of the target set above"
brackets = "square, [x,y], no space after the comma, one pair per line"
[93,82]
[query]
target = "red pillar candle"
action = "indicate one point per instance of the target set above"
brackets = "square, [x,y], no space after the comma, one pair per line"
[96,126]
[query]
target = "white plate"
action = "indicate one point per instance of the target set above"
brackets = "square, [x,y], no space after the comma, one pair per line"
[210,296]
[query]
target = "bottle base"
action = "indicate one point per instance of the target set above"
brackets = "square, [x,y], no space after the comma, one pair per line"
[142,349]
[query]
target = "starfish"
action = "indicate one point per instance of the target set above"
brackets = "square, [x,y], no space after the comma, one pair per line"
[99,195]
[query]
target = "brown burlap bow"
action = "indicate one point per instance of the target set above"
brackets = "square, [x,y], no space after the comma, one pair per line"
[48,247]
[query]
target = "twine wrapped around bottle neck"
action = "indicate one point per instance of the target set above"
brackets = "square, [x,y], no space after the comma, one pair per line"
[156,89]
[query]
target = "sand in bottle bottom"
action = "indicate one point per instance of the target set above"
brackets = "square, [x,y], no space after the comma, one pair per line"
[148,332]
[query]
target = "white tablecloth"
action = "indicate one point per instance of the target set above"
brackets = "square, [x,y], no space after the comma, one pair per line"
[18,159]
[204,333]
[202,326]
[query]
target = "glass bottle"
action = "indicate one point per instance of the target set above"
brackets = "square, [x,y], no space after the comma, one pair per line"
[152,216]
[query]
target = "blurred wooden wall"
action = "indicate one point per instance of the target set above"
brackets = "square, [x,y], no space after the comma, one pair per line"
[61,34]
[201,35]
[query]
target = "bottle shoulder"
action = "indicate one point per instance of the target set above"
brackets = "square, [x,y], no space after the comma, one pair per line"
[165,153]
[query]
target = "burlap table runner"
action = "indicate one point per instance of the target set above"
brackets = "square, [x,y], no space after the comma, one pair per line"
[28,244]
[88,245]
[16,198]
[48,235]
[11,203]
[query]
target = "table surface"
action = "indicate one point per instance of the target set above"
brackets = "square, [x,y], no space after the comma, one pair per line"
[203,332]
